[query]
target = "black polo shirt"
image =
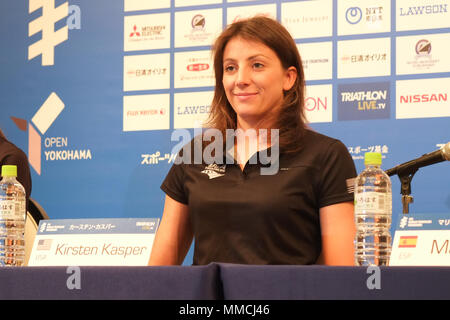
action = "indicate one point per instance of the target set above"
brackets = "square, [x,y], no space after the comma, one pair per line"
[241,216]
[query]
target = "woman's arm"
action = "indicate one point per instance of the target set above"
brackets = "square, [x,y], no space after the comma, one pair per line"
[174,236]
[338,233]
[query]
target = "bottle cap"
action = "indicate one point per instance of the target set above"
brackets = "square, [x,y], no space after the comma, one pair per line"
[372,158]
[9,171]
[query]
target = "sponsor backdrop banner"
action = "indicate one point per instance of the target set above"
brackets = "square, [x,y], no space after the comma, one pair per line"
[92,90]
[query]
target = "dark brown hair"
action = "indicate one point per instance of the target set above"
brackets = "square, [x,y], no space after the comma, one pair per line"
[291,120]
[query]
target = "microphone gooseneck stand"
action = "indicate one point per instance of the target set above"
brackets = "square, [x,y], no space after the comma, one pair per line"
[407,170]
[405,179]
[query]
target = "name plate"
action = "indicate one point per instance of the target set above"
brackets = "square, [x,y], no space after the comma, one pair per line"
[422,240]
[94,242]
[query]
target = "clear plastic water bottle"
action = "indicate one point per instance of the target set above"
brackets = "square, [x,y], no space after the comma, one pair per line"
[12,218]
[373,214]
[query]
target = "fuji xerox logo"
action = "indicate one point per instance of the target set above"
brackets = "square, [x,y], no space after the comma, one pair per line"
[46,25]
[42,120]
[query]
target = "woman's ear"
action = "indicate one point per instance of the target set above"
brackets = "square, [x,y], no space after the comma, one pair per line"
[291,76]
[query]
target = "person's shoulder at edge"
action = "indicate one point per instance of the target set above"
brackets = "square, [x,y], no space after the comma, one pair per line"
[10,149]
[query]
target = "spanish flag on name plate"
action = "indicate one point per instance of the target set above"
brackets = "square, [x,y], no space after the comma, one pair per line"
[407,242]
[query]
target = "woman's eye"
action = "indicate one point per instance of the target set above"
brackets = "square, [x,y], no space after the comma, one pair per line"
[258,65]
[229,68]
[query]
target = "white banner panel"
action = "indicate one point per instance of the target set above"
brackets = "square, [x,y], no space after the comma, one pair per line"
[183,3]
[423,98]
[423,54]
[146,72]
[358,17]
[319,103]
[194,69]
[422,14]
[364,58]
[237,13]
[133,5]
[146,112]
[191,109]
[146,32]
[308,19]
[317,59]
[197,28]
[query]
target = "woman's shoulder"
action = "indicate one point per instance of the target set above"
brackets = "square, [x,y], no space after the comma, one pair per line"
[318,139]
[315,148]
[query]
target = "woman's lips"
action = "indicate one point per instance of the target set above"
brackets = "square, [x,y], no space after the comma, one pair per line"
[243,96]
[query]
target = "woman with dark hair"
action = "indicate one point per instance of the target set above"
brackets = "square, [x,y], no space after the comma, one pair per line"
[10,154]
[300,214]
[290,118]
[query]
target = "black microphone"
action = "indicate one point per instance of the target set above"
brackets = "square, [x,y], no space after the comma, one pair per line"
[423,161]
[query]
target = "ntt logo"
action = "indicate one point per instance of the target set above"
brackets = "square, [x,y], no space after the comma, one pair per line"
[353,15]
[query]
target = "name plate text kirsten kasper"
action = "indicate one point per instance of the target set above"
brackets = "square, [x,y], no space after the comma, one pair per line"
[94,242]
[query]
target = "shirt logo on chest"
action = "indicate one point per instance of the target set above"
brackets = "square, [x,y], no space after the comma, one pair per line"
[214,171]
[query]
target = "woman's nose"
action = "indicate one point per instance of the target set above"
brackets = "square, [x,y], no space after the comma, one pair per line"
[243,77]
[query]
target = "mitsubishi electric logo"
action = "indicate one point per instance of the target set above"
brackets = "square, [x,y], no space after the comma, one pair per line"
[46,24]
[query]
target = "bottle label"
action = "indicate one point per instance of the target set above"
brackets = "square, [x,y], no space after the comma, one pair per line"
[10,209]
[373,202]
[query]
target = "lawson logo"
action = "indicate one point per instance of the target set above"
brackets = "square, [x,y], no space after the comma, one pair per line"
[364,101]
[197,109]
[423,10]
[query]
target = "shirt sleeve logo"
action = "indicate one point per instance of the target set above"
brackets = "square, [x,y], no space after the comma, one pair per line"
[214,171]
[350,185]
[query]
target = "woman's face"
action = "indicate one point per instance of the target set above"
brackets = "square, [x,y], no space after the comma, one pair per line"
[254,80]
